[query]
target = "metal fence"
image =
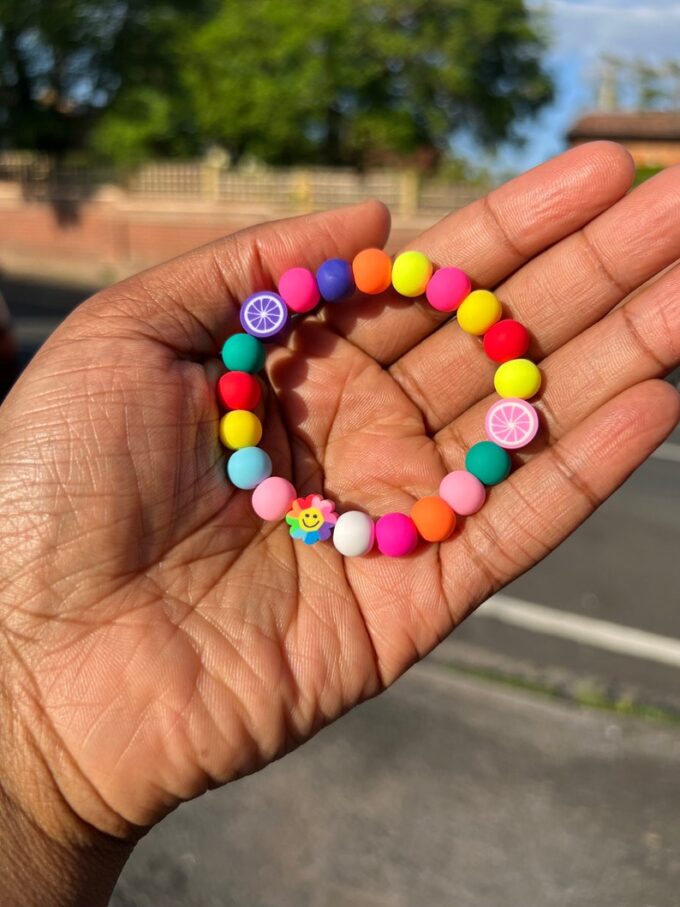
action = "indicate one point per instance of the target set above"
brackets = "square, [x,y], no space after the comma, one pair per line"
[405,191]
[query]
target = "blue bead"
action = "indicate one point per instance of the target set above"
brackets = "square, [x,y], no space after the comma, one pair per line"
[248,467]
[334,279]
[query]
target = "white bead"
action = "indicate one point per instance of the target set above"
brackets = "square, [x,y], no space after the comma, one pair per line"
[354,533]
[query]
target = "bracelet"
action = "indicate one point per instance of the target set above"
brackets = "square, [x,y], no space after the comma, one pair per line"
[511,423]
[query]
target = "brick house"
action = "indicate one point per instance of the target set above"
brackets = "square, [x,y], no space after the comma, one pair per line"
[652,137]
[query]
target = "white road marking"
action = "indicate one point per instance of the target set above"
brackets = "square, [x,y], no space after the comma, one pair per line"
[668,451]
[600,634]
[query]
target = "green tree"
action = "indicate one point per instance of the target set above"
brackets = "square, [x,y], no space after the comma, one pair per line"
[339,82]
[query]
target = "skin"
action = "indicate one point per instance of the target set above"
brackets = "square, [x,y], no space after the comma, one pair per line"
[157,639]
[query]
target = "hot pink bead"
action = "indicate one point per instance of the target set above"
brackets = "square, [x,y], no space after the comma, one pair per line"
[272,498]
[396,534]
[447,288]
[463,492]
[299,289]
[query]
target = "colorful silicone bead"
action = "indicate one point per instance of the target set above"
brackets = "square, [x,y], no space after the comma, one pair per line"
[434,519]
[243,353]
[238,390]
[463,492]
[354,534]
[447,288]
[517,378]
[248,467]
[478,312]
[240,428]
[411,272]
[489,462]
[311,519]
[396,534]
[263,315]
[335,280]
[272,498]
[511,423]
[505,340]
[298,289]
[372,270]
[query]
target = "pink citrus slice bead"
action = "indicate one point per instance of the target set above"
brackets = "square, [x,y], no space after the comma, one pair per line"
[511,423]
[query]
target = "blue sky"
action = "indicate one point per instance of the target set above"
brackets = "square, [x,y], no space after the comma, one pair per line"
[581,31]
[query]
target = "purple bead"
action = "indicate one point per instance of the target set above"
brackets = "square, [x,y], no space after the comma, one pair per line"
[264,314]
[335,279]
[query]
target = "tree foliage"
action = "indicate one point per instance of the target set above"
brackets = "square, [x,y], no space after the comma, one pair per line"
[347,82]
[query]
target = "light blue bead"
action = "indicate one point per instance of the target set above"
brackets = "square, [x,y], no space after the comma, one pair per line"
[248,467]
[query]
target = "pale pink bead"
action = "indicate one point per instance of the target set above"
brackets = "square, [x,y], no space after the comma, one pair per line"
[299,289]
[463,492]
[272,498]
[447,288]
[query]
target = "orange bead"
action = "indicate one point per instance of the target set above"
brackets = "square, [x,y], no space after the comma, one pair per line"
[372,271]
[434,519]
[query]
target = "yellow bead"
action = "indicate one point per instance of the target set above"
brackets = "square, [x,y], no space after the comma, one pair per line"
[478,311]
[411,273]
[240,428]
[517,378]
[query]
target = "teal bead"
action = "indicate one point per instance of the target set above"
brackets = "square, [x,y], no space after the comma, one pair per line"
[248,467]
[488,462]
[243,353]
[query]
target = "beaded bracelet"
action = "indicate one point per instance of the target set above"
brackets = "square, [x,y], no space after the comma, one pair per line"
[511,422]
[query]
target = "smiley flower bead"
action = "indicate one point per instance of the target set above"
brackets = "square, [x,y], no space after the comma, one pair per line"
[311,519]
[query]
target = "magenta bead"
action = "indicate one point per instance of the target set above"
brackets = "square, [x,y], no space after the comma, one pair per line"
[396,534]
[299,289]
[447,288]
[272,498]
[463,492]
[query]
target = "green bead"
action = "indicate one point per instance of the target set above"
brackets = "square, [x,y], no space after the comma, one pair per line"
[488,462]
[243,353]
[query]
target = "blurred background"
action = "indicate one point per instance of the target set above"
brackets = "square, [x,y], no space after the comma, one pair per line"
[534,759]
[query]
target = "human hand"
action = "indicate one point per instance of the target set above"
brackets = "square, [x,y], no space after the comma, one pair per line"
[157,639]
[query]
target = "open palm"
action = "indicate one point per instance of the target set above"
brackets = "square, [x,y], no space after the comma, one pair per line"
[159,639]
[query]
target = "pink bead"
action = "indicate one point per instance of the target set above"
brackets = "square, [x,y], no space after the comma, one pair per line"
[299,289]
[447,288]
[272,498]
[396,534]
[463,492]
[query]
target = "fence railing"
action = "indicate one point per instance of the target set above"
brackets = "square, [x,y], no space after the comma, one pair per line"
[405,191]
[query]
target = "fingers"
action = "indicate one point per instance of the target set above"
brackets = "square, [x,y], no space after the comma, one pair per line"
[191,303]
[491,239]
[556,295]
[543,502]
[637,342]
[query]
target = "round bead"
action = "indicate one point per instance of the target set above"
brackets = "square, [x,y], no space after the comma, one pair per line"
[489,462]
[517,378]
[243,353]
[434,519]
[463,492]
[263,315]
[240,428]
[372,271]
[396,534]
[272,498]
[238,390]
[248,467]
[478,312]
[511,423]
[411,272]
[505,340]
[298,288]
[354,533]
[447,288]
[335,280]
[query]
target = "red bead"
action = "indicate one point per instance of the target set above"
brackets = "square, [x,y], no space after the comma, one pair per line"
[238,390]
[506,340]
